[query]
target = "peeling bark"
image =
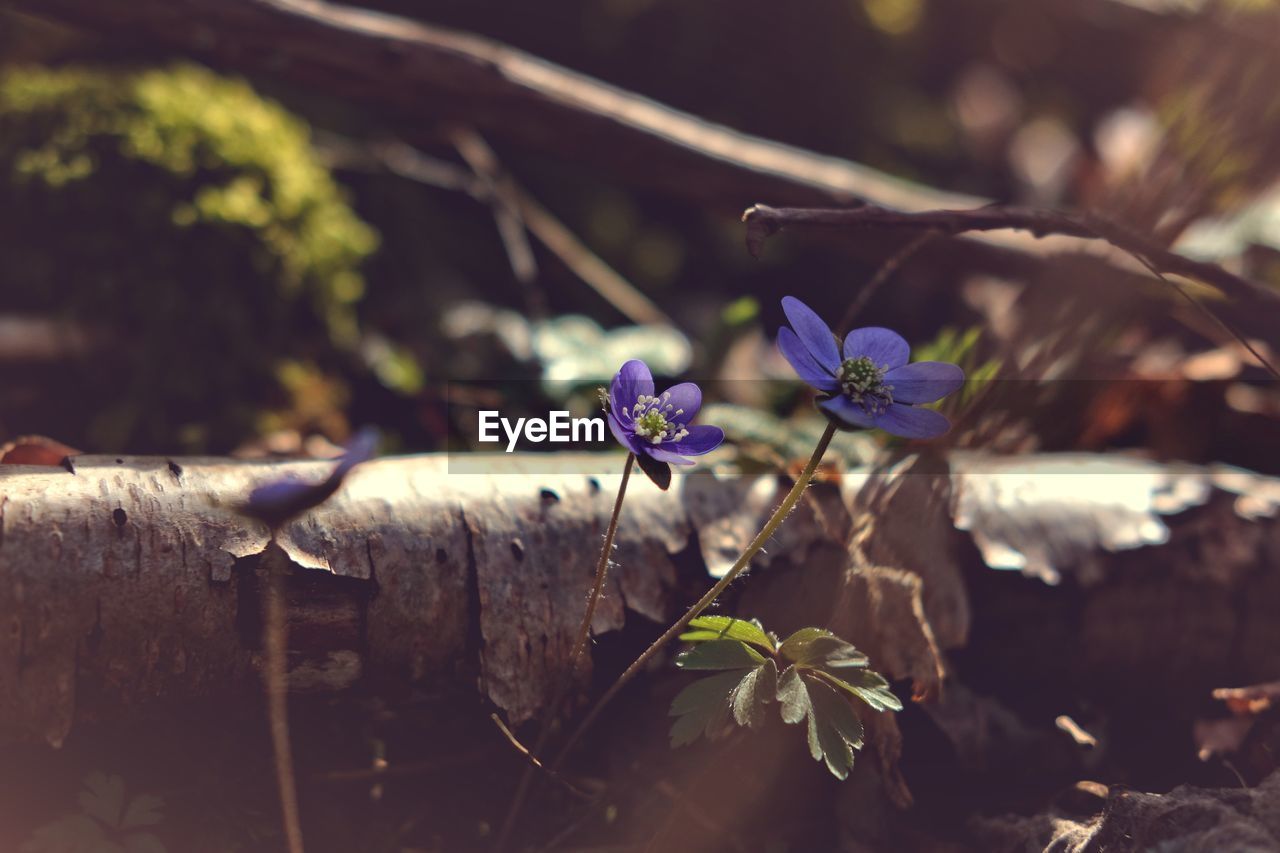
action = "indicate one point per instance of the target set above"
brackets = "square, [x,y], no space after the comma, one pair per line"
[134,579]
[128,581]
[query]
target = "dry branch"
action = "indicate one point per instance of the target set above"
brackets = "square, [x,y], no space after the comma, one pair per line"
[763,221]
[419,73]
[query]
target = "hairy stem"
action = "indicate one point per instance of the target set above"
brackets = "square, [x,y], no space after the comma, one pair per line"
[602,570]
[579,646]
[771,526]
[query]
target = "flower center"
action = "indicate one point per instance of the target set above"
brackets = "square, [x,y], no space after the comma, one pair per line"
[863,383]
[653,419]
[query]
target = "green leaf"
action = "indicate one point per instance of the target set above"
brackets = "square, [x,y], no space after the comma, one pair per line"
[834,730]
[756,690]
[703,707]
[836,711]
[866,685]
[837,749]
[793,696]
[820,647]
[720,654]
[728,628]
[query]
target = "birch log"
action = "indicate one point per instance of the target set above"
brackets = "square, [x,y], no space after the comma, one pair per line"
[127,580]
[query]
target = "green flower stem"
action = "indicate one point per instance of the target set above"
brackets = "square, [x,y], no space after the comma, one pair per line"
[766,532]
[579,645]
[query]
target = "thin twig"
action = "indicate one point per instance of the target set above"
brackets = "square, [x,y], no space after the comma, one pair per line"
[766,533]
[397,158]
[506,212]
[534,764]
[566,679]
[629,301]
[1213,315]
[407,162]
[883,274]
[763,222]
[275,647]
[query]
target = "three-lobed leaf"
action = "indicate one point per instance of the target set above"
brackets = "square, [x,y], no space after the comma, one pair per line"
[829,720]
[836,711]
[818,666]
[834,730]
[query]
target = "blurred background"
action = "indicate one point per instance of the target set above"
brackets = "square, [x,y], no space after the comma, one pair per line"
[200,261]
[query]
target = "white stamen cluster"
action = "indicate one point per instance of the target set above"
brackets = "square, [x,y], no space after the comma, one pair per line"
[863,383]
[653,419]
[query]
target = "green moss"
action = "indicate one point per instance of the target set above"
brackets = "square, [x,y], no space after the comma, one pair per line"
[191,223]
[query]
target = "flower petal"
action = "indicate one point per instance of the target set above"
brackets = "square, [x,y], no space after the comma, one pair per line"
[924,381]
[905,421]
[285,492]
[910,422]
[847,411]
[661,455]
[632,380]
[803,362]
[701,439]
[885,347]
[813,333]
[687,396]
[361,448]
[621,433]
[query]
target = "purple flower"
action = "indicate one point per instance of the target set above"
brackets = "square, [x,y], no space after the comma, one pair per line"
[867,379]
[657,426]
[280,500]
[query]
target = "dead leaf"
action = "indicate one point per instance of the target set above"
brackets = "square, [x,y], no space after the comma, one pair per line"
[35,450]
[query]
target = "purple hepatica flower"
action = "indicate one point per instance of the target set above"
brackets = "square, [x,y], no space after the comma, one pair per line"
[657,426]
[868,380]
[278,501]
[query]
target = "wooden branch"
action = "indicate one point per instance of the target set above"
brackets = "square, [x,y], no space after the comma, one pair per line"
[763,221]
[421,75]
